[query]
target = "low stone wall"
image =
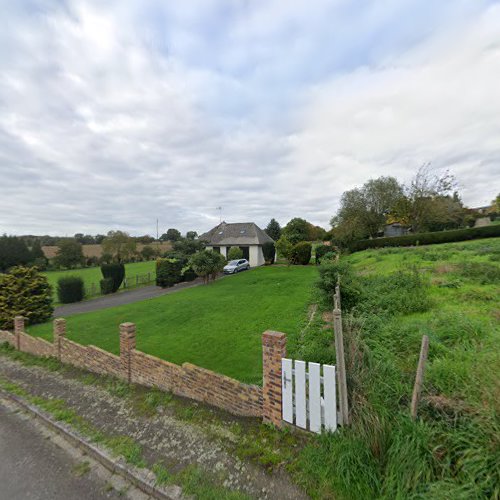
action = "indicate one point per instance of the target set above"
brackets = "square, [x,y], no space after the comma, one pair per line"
[187,380]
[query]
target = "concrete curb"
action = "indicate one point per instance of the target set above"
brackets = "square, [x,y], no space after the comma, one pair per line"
[143,481]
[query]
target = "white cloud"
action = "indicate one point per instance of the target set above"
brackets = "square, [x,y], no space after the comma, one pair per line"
[114,114]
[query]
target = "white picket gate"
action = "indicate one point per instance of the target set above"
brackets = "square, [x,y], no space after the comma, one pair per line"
[309,398]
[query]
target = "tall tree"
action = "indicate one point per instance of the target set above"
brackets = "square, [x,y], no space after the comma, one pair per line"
[273,229]
[172,234]
[191,235]
[297,230]
[368,206]
[69,254]
[120,245]
[13,252]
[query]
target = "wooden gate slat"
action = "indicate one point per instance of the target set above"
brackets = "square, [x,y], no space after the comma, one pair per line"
[300,394]
[314,397]
[287,390]
[330,398]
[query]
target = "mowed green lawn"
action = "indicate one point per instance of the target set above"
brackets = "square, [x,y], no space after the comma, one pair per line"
[93,274]
[217,326]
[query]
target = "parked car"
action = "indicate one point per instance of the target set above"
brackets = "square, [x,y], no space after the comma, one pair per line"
[235,266]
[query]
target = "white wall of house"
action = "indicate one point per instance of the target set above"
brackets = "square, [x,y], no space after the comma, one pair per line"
[255,252]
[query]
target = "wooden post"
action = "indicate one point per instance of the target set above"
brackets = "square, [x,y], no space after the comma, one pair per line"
[339,350]
[419,378]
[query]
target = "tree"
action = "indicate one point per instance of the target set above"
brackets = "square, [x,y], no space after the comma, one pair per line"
[69,254]
[148,252]
[235,253]
[13,252]
[423,192]
[171,235]
[120,245]
[188,247]
[191,235]
[269,252]
[297,230]
[368,206]
[36,251]
[284,248]
[144,239]
[273,229]
[207,263]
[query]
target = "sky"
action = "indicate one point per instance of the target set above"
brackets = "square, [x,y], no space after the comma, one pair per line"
[115,114]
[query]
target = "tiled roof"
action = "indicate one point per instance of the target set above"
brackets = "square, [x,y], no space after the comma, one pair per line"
[240,233]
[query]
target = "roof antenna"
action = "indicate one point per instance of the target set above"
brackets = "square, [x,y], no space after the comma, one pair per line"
[220,214]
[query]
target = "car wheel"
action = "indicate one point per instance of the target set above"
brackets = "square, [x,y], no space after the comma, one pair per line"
[248,267]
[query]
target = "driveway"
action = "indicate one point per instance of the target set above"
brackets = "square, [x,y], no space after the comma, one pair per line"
[121,298]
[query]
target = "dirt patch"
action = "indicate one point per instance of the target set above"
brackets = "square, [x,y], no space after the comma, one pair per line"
[327,317]
[175,443]
[445,268]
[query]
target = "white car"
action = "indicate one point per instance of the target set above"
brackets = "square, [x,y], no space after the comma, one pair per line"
[234,266]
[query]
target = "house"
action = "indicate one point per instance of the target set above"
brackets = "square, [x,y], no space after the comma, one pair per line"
[395,229]
[245,235]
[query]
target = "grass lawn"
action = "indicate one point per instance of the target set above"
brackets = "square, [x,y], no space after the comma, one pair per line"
[451,293]
[218,326]
[93,274]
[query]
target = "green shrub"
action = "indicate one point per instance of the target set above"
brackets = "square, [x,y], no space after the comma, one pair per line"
[188,274]
[235,253]
[329,274]
[428,238]
[24,292]
[40,263]
[301,253]
[106,285]
[321,251]
[207,263]
[168,272]
[269,252]
[70,289]
[116,272]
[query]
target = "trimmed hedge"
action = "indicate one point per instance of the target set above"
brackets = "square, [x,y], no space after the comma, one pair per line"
[301,253]
[321,251]
[428,238]
[269,251]
[70,289]
[106,285]
[168,272]
[24,292]
[116,272]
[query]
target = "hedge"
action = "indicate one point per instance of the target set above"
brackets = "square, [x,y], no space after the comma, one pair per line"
[269,251]
[168,272]
[24,292]
[428,238]
[70,289]
[114,271]
[106,285]
[301,253]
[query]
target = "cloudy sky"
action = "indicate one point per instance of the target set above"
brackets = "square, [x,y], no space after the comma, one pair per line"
[115,113]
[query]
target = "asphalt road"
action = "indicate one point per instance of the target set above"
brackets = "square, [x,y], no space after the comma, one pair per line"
[33,467]
[121,298]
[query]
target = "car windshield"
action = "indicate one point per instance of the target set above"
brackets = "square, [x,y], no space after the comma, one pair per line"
[233,263]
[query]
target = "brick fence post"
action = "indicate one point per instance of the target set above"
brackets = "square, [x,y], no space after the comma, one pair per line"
[18,329]
[59,333]
[127,344]
[273,349]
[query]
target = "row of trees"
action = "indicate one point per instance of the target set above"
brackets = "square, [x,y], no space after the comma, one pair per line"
[430,202]
[295,231]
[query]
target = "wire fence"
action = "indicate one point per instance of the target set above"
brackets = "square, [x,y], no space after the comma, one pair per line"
[129,282]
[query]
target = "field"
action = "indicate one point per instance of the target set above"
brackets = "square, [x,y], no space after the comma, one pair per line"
[449,292]
[218,326]
[93,274]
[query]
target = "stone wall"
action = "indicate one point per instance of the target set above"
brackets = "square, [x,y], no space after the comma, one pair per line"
[187,380]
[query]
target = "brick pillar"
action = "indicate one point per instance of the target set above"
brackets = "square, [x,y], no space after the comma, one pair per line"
[273,349]
[127,344]
[59,333]
[18,329]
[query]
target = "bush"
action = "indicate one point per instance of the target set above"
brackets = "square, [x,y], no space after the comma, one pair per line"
[106,285]
[40,263]
[114,271]
[427,238]
[24,292]
[235,253]
[321,251]
[70,289]
[481,271]
[188,274]
[301,253]
[350,288]
[269,252]
[207,264]
[168,272]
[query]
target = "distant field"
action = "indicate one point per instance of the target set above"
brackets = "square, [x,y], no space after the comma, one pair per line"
[93,274]
[217,326]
